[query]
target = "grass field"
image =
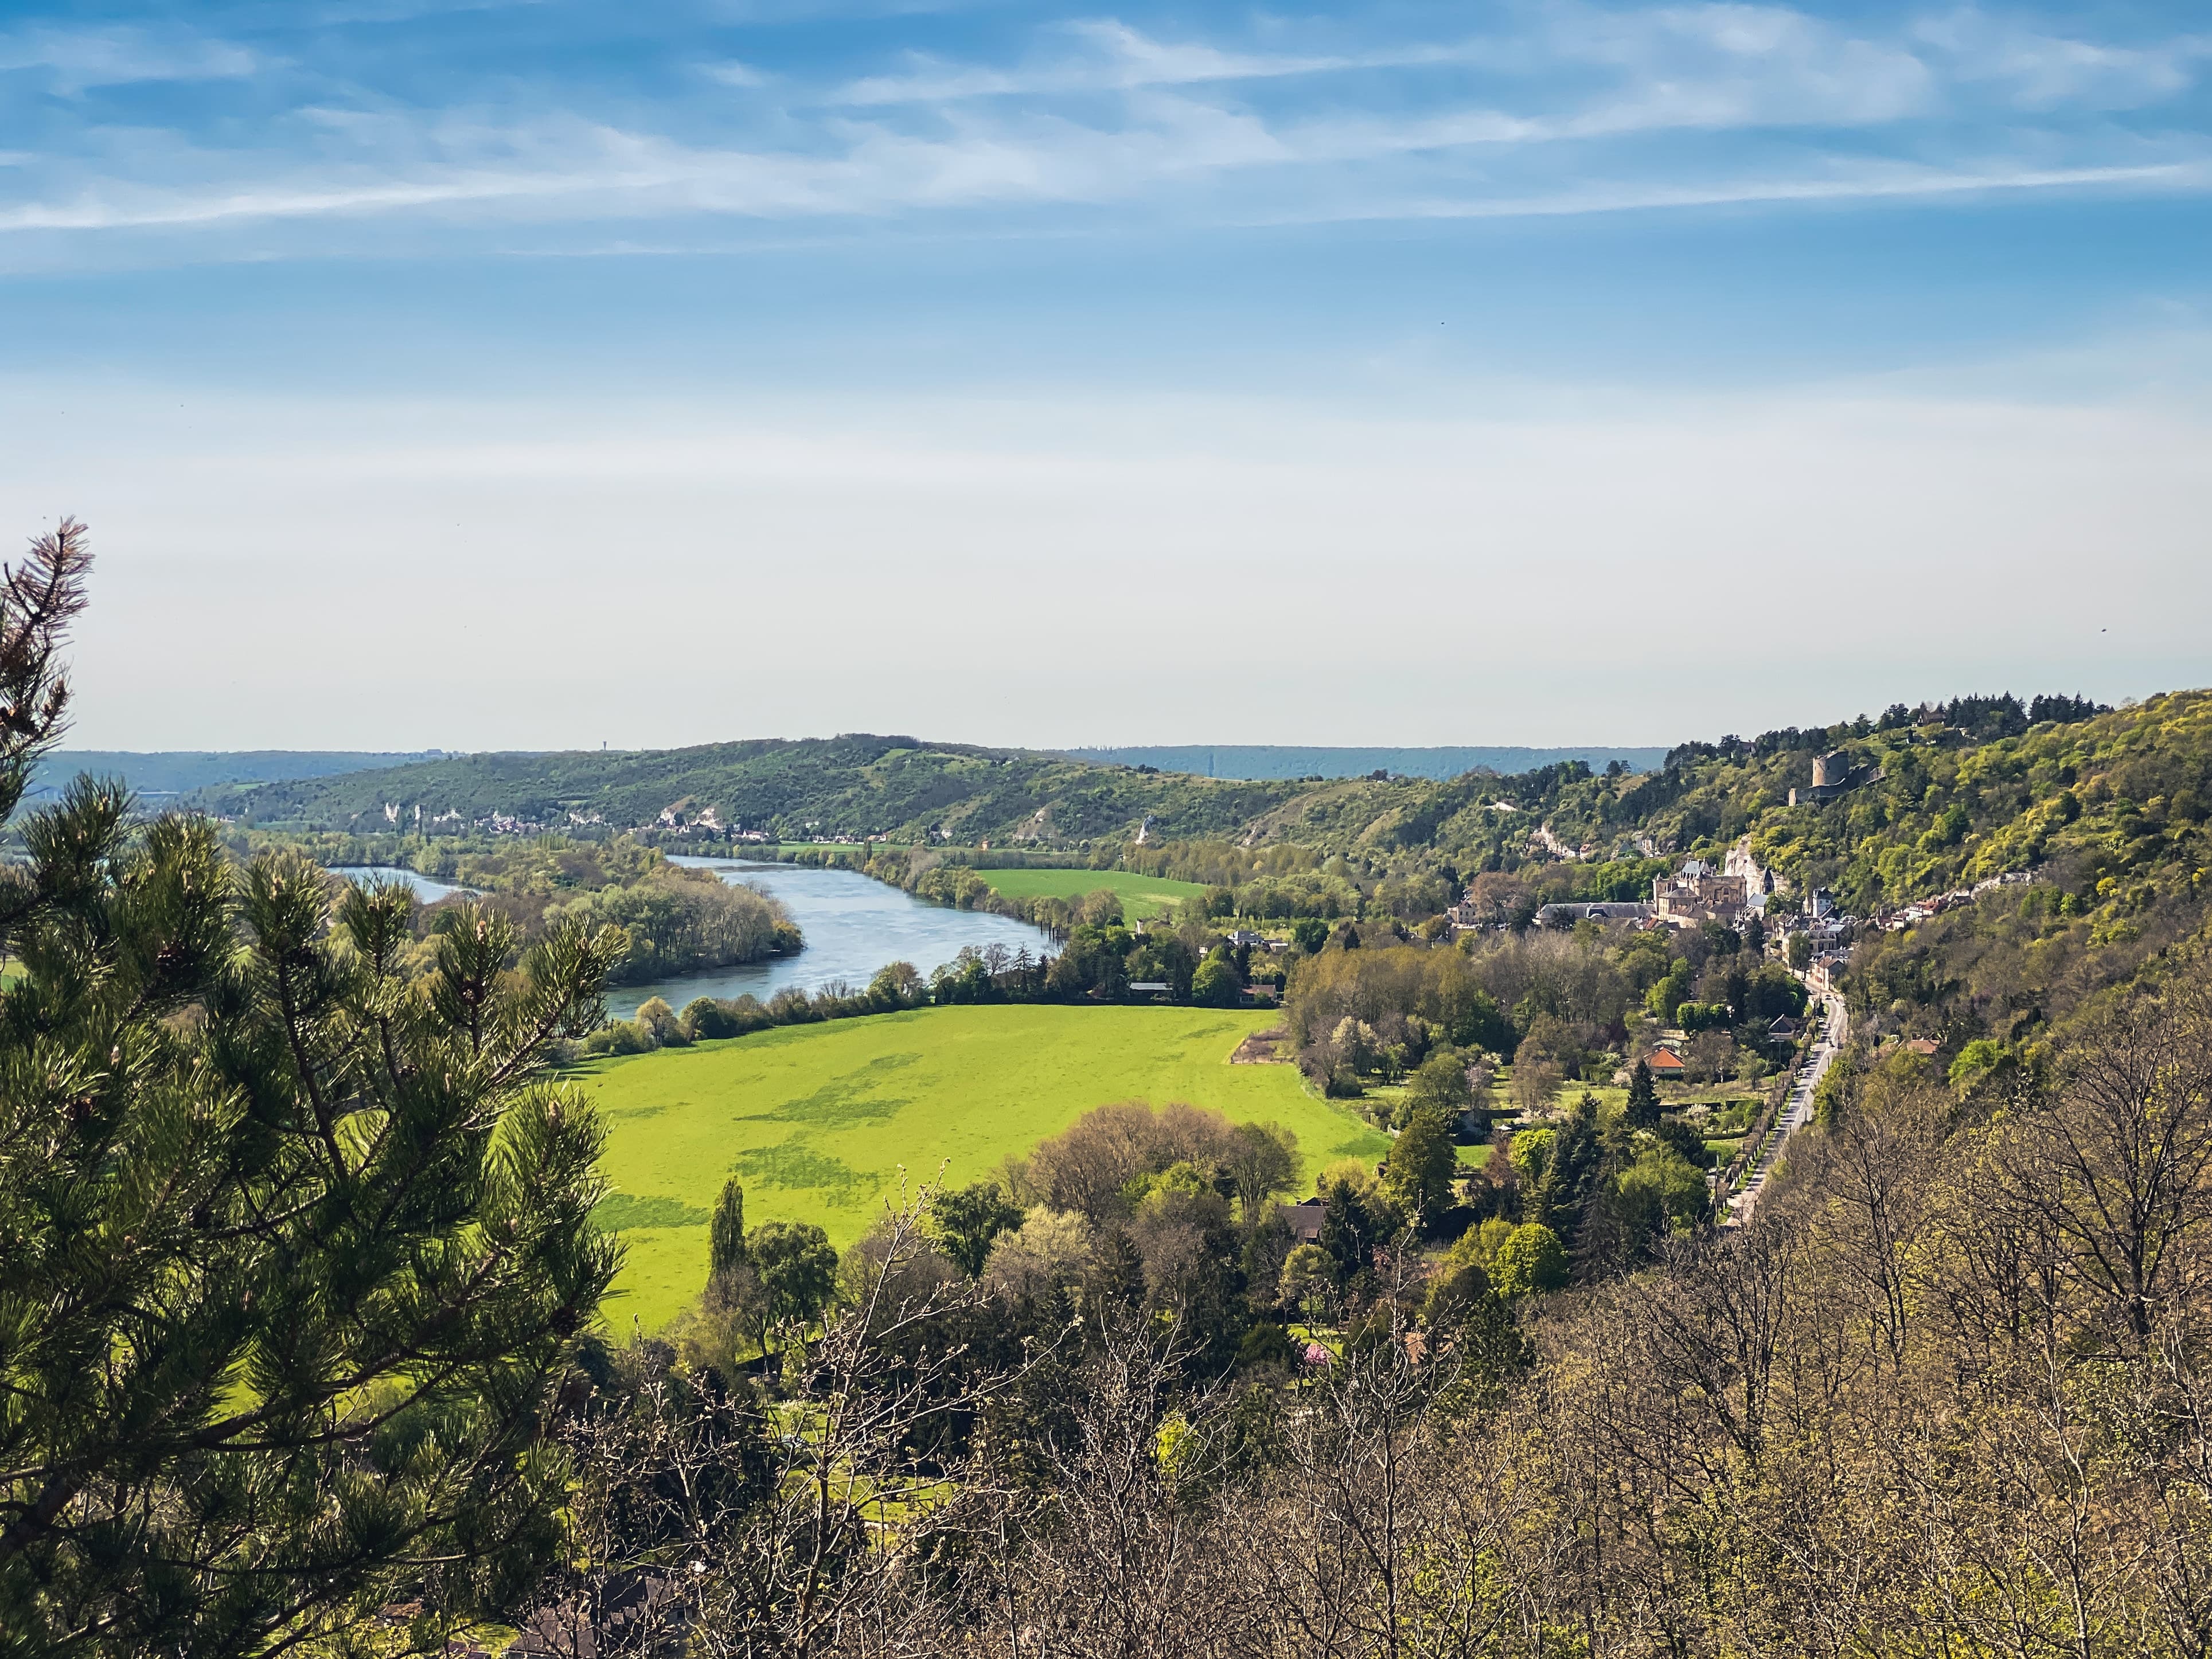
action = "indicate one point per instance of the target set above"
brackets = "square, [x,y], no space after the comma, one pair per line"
[1141,896]
[816,1119]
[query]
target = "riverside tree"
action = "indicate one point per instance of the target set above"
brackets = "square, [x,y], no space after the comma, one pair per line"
[292,1249]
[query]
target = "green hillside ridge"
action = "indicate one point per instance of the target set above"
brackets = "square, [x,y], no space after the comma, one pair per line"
[2096,804]
[2089,803]
[839,787]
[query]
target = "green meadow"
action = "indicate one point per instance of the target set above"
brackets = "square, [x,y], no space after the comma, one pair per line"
[819,1121]
[1141,896]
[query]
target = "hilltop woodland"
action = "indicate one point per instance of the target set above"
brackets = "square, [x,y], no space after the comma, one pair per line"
[298,1345]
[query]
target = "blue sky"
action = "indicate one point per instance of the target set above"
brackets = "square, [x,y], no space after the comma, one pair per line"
[543,374]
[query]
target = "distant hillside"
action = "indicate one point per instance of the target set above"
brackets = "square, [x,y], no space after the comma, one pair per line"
[177,772]
[839,787]
[2104,801]
[1275,761]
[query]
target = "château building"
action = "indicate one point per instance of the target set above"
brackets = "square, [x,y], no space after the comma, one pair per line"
[1698,893]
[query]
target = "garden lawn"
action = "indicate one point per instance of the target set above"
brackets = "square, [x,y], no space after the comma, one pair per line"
[1141,896]
[816,1120]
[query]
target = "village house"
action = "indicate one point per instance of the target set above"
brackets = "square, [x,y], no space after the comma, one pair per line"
[1305,1218]
[1465,917]
[1666,1063]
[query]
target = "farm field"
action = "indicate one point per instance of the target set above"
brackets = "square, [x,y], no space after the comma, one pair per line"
[1141,896]
[817,1119]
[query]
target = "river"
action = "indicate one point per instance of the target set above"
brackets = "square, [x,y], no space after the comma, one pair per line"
[426,889]
[853,925]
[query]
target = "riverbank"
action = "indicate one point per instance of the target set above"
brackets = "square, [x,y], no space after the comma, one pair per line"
[853,924]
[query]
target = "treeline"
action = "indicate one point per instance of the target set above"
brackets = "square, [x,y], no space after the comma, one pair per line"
[681,921]
[675,920]
[1095,964]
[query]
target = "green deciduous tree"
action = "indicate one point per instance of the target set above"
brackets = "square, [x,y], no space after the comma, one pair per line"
[1261,1160]
[1421,1167]
[1531,1261]
[966,1221]
[1215,985]
[798,1269]
[1440,1085]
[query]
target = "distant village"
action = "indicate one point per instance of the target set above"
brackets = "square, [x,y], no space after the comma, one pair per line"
[1697,893]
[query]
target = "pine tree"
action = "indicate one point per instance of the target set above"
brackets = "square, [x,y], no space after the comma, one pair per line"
[293,1249]
[1643,1111]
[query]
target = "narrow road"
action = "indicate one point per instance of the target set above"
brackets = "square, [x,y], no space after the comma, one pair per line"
[1797,1113]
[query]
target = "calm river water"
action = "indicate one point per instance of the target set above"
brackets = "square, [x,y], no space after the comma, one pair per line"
[428,891]
[854,926]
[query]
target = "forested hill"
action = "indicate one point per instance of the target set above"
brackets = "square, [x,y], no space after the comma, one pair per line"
[172,772]
[1923,801]
[2097,799]
[842,787]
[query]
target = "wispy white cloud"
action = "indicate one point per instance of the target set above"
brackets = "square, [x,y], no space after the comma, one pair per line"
[1577,108]
[731,73]
[1873,182]
[2042,71]
[75,59]
[1109,56]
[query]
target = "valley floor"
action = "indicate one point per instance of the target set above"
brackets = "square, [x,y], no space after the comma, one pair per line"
[821,1122]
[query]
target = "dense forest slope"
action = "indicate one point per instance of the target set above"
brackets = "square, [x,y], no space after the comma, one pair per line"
[1921,805]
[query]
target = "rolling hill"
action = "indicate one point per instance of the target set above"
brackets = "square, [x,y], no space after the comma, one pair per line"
[844,787]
